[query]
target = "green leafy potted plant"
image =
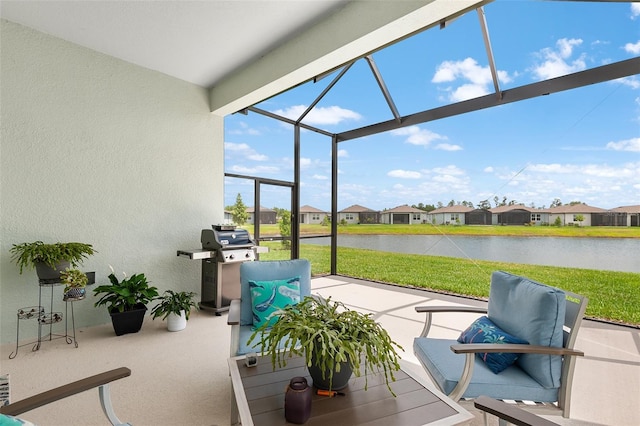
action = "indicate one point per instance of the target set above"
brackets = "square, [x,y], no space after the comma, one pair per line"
[334,340]
[49,260]
[74,281]
[126,301]
[175,307]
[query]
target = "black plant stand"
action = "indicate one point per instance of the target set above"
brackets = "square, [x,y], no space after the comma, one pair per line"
[49,317]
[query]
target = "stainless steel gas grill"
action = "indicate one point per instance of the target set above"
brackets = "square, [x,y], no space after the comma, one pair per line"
[224,248]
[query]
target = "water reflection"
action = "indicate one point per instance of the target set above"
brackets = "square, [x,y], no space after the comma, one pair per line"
[614,254]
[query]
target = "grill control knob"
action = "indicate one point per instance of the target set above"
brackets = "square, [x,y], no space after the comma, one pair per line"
[231,256]
[247,255]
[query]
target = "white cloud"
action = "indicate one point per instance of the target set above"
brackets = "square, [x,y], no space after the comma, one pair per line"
[468,91]
[557,62]
[448,147]
[565,46]
[254,170]
[448,170]
[632,81]
[488,169]
[305,162]
[245,150]
[244,130]
[448,178]
[319,115]
[632,47]
[598,184]
[320,177]
[479,78]
[342,153]
[404,174]
[635,10]
[418,136]
[592,170]
[230,146]
[632,145]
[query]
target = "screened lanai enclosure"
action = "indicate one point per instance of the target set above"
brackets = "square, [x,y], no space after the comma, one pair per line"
[487,85]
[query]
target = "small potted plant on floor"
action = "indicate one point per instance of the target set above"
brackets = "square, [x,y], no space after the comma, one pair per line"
[126,301]
[50,260]
[175,307]
[334,340]
[74,282]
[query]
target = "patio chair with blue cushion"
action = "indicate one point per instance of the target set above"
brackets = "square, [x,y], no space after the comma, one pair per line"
[522,350]
[265,286]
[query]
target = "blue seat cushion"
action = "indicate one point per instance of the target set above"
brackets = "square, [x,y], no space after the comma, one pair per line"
[269,271]
[446,368]
[245,347]
[534,312]
[483,330]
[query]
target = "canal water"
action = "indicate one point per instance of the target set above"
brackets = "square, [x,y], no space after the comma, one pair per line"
[614,254]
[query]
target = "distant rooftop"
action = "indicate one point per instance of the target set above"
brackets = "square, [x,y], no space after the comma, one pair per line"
[405,208]
[356,208]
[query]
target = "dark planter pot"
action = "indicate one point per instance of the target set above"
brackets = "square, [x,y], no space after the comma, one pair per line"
[128,321]
[340,379]
[46,272]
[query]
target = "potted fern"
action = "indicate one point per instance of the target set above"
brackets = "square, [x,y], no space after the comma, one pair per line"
[49,260]
[175,307]
[126,301]
[334,341]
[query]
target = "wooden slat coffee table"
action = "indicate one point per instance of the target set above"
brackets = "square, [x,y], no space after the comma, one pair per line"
[258,393]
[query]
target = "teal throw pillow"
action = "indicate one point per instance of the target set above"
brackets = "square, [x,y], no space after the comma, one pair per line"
[483,330]
[13,421]
[268,297]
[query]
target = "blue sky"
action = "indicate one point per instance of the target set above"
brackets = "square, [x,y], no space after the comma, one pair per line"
[579,145]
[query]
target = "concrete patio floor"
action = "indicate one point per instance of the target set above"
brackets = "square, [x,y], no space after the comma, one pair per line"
[182,378]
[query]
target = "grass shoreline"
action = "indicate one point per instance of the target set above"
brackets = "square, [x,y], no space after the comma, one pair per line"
[613,296]
[467,230]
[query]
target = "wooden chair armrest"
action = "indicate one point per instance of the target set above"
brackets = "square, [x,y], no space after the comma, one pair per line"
[233,318]
[55,394]
[464,348]
[511,414]
[434,309]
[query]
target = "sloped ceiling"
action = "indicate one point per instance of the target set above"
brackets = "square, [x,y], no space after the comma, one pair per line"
[243,50]
[197,41]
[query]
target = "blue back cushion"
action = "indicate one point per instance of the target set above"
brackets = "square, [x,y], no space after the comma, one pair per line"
[269,271]
[533,312]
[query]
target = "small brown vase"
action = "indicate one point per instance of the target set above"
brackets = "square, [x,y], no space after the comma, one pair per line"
[297,401]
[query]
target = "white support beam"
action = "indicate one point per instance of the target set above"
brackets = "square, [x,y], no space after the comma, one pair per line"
[358,29]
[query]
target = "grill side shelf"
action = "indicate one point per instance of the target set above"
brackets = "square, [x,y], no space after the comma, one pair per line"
[197,254]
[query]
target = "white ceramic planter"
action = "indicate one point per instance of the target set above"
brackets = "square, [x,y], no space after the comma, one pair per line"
[176,322]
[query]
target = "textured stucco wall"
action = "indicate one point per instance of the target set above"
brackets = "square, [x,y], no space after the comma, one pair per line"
[97,150]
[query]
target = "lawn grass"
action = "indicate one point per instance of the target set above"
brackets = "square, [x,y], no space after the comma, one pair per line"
[613,296]
[475,230]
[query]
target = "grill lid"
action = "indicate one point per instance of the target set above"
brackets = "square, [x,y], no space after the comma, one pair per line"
[225,237]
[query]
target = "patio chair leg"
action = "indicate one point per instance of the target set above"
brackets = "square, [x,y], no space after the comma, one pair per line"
[235,416]
[107,407]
